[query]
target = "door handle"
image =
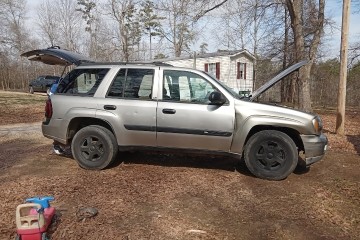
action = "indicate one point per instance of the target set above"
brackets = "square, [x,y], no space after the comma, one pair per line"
[109,107]
[169,111]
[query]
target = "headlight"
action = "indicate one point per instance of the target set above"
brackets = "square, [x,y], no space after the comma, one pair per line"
[317,123]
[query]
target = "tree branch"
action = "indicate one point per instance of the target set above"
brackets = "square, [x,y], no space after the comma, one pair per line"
[202,13]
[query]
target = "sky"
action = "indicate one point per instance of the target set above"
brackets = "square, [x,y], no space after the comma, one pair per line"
[333,9]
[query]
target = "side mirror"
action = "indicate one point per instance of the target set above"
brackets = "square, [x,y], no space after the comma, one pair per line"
[217,98]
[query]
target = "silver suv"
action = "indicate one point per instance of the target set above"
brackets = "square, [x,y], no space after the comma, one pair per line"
[101,108]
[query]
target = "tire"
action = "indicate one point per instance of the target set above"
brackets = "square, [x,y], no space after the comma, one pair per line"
[94,147]
[271,155]
[31,90]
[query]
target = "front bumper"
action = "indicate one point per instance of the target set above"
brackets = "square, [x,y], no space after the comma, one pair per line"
[315,147]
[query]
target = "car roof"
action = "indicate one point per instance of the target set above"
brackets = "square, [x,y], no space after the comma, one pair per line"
[125,63]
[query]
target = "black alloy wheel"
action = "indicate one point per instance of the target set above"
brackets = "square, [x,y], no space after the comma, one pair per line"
[94,147]
[271,155]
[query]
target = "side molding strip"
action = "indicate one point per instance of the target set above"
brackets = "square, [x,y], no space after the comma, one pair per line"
[178,130]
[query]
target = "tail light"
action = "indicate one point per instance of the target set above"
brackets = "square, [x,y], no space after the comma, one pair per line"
[48,109]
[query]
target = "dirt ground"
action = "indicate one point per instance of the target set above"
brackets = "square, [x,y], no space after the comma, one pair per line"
[164,196]
[18,107]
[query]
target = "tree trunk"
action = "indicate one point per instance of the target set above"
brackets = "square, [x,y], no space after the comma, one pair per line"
[304,88]
[177,50]
[285,84]
[296,12]
[341,99]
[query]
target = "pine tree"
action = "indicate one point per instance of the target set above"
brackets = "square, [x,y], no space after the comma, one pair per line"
[150,21]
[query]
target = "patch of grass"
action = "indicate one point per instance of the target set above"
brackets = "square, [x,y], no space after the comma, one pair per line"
[21,107]
[10,99]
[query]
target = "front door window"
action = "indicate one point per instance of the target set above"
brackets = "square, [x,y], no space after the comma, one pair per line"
[186,87]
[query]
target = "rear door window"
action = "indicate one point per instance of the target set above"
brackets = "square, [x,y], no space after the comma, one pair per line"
[82,81]
[132,84]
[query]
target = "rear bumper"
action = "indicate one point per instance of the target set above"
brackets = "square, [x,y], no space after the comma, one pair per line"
[51,129]
[315,147]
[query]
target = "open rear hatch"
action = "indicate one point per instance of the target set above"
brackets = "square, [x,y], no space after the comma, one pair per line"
[56,56]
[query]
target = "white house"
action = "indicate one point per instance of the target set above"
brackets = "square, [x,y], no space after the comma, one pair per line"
[234,68]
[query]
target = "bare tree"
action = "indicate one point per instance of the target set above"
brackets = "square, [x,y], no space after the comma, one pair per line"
[60,24]
[179,27]
[13,40]
[47,23]
[208,6]
[203,48]
[307,37]
[128,27]
[13,23]
[234,25]
[69,24]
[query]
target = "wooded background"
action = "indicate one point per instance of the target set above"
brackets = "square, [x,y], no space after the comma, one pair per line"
[278,32]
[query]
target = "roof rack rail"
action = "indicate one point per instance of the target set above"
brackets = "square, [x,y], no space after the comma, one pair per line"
[126,63]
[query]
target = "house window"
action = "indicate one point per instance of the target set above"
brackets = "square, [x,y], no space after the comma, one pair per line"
[241,70]
[213,69]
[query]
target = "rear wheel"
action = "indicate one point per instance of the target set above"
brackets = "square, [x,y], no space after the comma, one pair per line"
[271,155]
[31,90]
[94,147]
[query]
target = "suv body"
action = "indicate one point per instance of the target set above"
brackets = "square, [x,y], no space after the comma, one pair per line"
[100,108]
[42,83]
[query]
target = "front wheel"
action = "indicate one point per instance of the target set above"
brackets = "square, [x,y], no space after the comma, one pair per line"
[271,155]
[94,147]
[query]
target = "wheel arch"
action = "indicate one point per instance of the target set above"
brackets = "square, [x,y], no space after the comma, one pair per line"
[78,123]
[292,133]
[256,124]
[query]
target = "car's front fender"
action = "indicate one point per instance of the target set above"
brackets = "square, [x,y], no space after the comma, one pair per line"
[244,127]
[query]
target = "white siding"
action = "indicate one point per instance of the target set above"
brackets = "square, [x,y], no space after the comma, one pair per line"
[228,69]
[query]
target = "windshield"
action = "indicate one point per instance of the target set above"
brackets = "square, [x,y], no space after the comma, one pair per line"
[227,88]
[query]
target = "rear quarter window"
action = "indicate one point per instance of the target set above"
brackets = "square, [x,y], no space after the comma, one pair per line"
[82,81]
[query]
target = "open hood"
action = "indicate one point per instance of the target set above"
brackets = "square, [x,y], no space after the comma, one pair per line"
[56,56]
[277,78]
